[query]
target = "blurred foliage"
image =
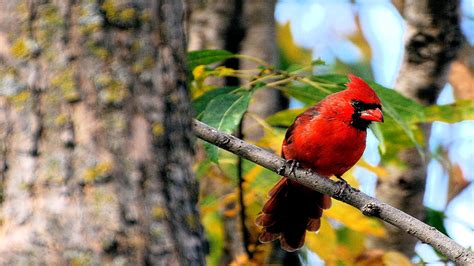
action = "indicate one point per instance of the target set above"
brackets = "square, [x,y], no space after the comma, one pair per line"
[457,182]
[340,241]
[290,53]
[436,219]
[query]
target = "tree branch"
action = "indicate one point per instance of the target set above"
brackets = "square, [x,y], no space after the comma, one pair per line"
[367,205]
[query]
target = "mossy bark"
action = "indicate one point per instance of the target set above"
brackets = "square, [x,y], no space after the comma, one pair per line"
[95,136]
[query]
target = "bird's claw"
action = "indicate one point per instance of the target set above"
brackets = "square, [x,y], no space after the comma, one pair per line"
[281,170]
[293,164]
[343,185]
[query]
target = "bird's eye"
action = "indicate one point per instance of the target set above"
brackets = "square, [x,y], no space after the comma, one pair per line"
[357,104]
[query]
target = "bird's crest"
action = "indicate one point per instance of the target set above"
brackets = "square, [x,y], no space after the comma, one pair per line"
[361,89]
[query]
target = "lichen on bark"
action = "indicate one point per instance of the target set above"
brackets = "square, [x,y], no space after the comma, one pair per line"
[84,174]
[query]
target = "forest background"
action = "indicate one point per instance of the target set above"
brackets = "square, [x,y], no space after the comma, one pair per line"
[97,146]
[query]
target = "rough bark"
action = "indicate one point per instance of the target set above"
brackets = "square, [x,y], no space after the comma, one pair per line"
[432,41]
[95,138]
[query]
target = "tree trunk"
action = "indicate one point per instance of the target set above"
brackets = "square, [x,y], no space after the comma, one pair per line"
[210,26]
[209,23]
[461,75]
[432,41]
[95,135]
[245,27]
[260,42]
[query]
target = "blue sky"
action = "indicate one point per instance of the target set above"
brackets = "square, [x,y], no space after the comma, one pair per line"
[323,26]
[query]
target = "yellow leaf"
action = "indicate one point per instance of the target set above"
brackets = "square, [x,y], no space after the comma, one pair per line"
[250,196]
[354,219]
[359,40]
[324,242]
[250,176]
[378,170]
[231,212]
[228,164]
[272,138]
[292,52]
[223,71]
[372,257]
[350,178]
[215,234]
[198,87]
[457,181]
[376,257]
[229,198]
[393,258]
[351,244]
[240,260]
[285,117]
[199,72]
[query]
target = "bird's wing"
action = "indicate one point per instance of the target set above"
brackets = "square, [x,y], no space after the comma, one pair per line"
[300,120]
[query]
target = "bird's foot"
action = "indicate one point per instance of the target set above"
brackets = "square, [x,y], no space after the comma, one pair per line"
[343,185]
[281,170]
[293,164]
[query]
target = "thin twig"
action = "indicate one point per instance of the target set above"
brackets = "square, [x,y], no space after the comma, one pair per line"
[253,59]
[367,205]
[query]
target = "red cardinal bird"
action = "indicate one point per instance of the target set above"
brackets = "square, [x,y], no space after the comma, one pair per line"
[329,138]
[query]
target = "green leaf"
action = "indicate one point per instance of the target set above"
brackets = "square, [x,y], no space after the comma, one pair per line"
[206,57]
[200,103]
[307,94]
[224,113]
[450,113]
[403,111]
[403,107]
[214,228]
[436,219]
[323,86]
[376,129]
[294,68]
[318,62]
[284,118]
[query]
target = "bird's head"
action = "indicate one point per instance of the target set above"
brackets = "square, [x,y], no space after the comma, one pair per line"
[365,103]
[359,105]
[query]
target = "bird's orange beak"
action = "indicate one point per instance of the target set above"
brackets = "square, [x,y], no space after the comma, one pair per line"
[372,115]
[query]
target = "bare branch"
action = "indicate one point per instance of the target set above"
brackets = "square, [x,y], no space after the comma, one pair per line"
[367,205]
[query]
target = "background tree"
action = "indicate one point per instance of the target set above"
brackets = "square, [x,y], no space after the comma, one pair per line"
[248,28]
[95,132]
[432,41]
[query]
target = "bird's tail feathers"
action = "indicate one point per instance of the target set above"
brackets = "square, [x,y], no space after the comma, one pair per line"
[291,210]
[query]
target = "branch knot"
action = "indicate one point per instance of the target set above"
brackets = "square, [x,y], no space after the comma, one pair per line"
[370,209]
